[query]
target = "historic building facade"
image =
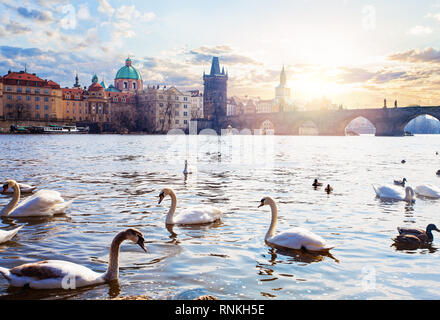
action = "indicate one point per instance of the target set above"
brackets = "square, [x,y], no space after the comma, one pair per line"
[215,91]
[165,108]
[196,104]
[282,100]
[28,97]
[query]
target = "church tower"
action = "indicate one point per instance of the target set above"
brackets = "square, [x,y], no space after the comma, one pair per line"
[215,92]
[282,93]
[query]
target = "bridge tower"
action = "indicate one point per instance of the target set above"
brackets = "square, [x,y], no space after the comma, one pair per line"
[215,93]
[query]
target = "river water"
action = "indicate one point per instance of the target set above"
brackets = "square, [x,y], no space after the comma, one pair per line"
[116,179]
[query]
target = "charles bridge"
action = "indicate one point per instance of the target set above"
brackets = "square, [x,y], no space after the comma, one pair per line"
[388,121]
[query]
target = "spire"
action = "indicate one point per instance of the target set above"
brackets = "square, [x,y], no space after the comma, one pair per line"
[215,67]
[77,85]
[283,77]
[223,70]
[95,79]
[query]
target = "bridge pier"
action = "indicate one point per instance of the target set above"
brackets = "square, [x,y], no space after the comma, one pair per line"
[388,129]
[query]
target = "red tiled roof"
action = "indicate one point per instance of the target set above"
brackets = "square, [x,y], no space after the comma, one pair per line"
[12,77]
[96,87]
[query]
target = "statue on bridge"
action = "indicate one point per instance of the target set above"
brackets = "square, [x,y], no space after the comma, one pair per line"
[395,104]
[385,103]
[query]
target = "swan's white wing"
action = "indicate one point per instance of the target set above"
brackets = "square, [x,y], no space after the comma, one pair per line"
[428,191]
[8,235]
[53,274]
[43,203]
[389,192]
[198,215]
[296,238]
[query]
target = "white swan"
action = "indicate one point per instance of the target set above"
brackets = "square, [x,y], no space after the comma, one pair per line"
[295,238]
[428,191]
[5,236]
[189,169]
[24,188]
[43,203]
[192,215]
[392,192]
[58,274]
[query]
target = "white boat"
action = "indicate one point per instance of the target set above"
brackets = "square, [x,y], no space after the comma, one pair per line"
[60,129]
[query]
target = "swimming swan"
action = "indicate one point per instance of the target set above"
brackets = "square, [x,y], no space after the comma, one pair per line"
[5,236]
[395,193]
[192,215]
[189,169]
[428,191]
[295,238]
[43,203]
[58,274]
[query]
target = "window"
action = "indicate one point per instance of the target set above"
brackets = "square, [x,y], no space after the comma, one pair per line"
[9,97]
[177,98]
[37,107]
[185,121]
[185,106]
[177,113]
[19,89]
[46,107]
[37,98]
[46,91]
[185,99]
[46,116]
[46,99]
[37,91]
[67,96]
[8,89]
[177,121]
[134,85]
[28,90]
[185,114]
[160,104]
[28,98]
[125,85]
[115,99]
[19,98]
[37,116]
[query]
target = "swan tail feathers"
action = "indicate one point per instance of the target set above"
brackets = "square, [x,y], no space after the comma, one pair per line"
[62,207]
[14,232]
[5,273]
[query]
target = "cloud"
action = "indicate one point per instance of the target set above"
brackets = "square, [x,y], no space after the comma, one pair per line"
[420,31]
[360,75]
[105,7]
[428,55]
[204,54]
[37,15]
[83,12]
[129,13]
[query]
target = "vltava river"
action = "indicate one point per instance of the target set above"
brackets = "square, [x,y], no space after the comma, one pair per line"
[116,179]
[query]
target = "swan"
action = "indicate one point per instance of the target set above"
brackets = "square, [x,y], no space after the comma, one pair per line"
[295,238]
[58,274]
[42,203]
[400,182]
[189,169]
[5,236]
[394,193]
[192,215]
[24,188]
[428,191]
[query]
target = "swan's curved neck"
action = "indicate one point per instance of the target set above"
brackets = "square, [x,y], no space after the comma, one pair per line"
[15,198]
[409,195]
[273,207]
[113,263]
[170,215]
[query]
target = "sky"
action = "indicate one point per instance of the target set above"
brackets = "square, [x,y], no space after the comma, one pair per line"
[355,53]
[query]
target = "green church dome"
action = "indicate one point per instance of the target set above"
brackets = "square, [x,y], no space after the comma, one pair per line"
[128,72]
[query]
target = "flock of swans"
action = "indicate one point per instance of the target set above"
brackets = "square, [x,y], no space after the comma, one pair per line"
[50,274]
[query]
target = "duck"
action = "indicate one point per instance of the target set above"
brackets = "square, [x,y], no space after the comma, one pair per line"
[316,183]
[403,161]
[5,236]
[438,172]
[60,274]
[400,182]
[415,236]
[295,238]
[191,215]
[329,189]
[391,192]
[24,189]
[189,169]
[428,191]
[42,203]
